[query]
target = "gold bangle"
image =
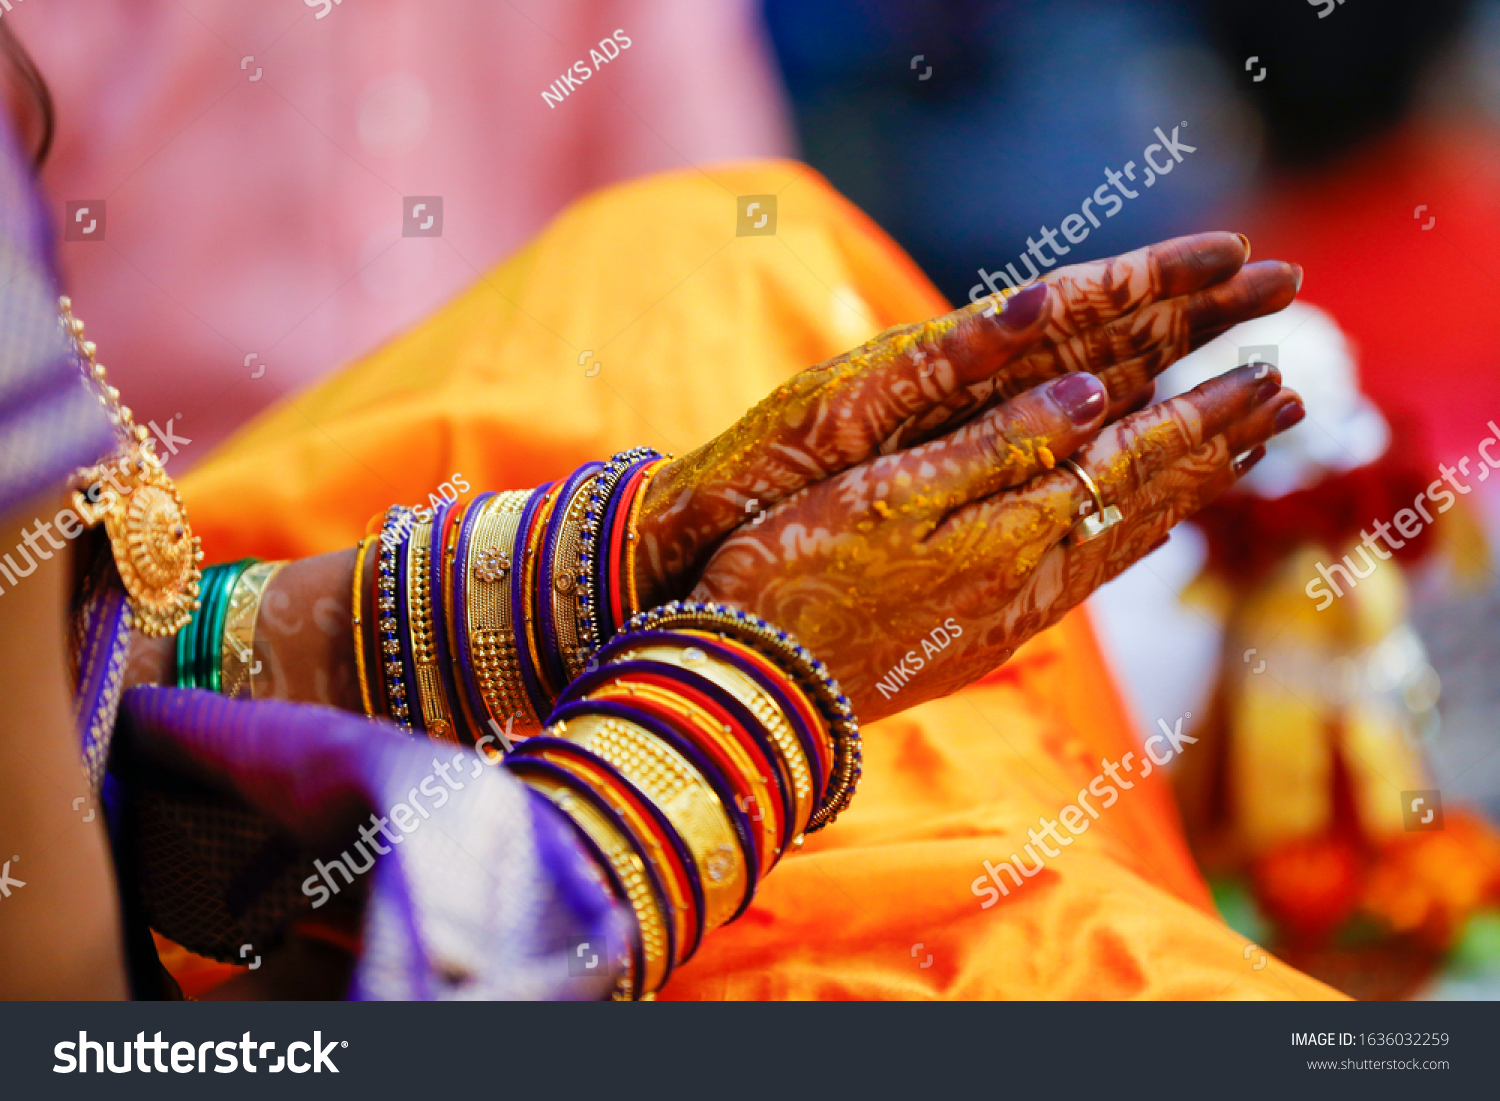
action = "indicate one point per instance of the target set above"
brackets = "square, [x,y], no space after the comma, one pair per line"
[237,645]
[682,907]
[709,727]
[766,710]
[631,870]
[430,695]
[492,638]
[358,603]
[682,794]
[632,597]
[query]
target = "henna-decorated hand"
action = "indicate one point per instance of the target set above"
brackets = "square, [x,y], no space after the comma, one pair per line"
[913,574]
[1124,319]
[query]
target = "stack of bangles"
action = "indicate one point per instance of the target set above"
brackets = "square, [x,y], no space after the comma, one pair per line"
[691,745]
[215,649]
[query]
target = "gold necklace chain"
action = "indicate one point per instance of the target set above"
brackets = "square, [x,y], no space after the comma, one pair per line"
[132,495]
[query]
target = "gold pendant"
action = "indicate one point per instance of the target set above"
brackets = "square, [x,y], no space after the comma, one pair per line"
[155,550]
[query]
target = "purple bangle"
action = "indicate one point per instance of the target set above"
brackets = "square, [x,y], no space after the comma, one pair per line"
[461,608]
[720,696]
[606,622]
[749,846]
[805,736]
[545,768]
[536,744]
[518,595]
[551,655]
[440,619]
[403,619]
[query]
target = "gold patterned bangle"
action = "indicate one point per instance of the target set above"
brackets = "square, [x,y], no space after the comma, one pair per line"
[811,675]
[492,639]
[632,538]
[529,634]
[564,580]
[627,865]
[682,794]
[766,710]
[237,645]
[761,792]
[430,695]
[681,905]
[357,618]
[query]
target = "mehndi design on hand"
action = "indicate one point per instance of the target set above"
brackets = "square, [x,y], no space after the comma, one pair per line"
[1125,319]
[972,528]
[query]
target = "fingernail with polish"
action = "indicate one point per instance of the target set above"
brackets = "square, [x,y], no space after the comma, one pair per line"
[1024,308]
[1243,464]
[1246,242]
[1264,393]
[1081,396]
[1297,271]
[1288,415]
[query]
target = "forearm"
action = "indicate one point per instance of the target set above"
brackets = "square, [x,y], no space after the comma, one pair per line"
[304,639]
[59,912]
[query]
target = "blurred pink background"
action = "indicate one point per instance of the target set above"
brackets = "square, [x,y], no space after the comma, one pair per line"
[264,216]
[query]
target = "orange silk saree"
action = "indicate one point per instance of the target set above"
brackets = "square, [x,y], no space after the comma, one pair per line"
[641,317]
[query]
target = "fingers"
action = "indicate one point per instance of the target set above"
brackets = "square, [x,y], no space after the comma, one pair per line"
[1005,448]
[1067,574]
[1135,349]
[1126,351]
[1122,460]
[1094,294]
[1131,452]
[830,417]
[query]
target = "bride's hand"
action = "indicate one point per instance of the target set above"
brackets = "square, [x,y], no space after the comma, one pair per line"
[913,574]
[1124,319]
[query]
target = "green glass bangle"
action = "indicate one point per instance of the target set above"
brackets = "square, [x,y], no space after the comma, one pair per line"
[199,643]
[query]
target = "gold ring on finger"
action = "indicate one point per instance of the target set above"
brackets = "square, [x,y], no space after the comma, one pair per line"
[1103,517]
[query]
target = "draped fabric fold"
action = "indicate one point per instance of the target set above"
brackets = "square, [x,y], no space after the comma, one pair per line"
[476,884]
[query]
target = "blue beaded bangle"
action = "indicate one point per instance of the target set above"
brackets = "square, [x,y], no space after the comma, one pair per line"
[602,596]
[590,630]
[558,525]
[390,602]
[412,698]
